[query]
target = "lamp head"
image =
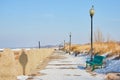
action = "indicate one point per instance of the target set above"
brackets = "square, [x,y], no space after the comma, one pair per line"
[92,11]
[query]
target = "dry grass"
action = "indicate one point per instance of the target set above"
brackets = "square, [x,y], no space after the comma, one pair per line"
[11,67]
[102,48]
[112,76]
[7,65]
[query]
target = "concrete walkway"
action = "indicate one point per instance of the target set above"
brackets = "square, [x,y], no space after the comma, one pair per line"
[66,67]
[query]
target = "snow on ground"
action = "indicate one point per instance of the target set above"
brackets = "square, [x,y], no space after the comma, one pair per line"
[111,66]
[15,49]
[22,77]
[70,68]
[73,68]
[1,49]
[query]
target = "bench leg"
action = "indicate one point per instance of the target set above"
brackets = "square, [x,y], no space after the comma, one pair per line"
[86,65]
[93,67]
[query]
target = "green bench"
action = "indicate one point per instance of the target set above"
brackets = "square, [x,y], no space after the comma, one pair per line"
[97,61]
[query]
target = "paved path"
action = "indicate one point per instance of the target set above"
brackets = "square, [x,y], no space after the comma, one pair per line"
[66,67]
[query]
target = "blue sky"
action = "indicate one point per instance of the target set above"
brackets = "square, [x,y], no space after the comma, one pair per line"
[25,22]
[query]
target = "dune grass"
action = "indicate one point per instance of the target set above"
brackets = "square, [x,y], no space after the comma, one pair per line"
[10,66]
[103,47]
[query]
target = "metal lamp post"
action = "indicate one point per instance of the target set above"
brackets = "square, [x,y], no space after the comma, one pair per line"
[70,43]
[64,46]
[91,15]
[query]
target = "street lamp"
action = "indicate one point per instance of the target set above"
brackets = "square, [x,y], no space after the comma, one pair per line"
[91,15]
[64,46]
[70,43]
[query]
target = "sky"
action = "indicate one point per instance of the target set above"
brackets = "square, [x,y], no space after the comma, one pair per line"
[25,22]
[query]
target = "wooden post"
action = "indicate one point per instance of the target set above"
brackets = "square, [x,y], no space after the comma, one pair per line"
[39,44]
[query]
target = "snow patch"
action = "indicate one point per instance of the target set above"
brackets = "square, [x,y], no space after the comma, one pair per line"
[111,66]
